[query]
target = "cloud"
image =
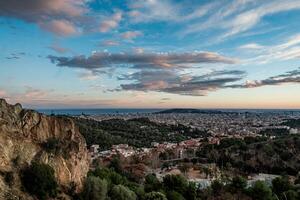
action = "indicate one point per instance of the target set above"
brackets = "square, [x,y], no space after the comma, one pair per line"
[32,93]
[152,10]
[165,99]
[111,22]
[2,93]
[143,60]
[60,27]
[57,16]
[183,84]
[288,77]
[287,50]
[17,55]
[239,16]
[110,43]
[248,19]
[88,76]
[251,46]
[138,50]
[129,35]
[58,49]
[39,98]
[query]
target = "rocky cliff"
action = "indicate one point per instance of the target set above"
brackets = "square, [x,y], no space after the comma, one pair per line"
[23,134]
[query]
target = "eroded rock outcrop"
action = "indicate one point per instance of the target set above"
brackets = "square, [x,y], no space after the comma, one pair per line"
[22,135]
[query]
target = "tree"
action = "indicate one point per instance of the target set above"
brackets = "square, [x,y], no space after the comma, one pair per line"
[260,191]
[176,183]
[280,185]
[238,183]
[152,183]
[173,195]
[155,196]
[39,180]
[95,189]
[191,191]
[115,164]
[184,168]
[292,195]
[217,186]
[120,192]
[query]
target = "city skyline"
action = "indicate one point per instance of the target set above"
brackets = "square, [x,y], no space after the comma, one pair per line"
[150,53]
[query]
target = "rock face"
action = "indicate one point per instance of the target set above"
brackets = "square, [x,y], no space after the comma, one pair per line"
[22,135]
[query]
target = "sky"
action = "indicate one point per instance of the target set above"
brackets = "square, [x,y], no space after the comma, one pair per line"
[150,53]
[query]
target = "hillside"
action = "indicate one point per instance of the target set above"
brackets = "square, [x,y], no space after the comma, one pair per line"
[27,136]
[278,156]
[135,132]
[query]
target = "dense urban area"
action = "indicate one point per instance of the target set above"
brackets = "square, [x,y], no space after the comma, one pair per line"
[194,154]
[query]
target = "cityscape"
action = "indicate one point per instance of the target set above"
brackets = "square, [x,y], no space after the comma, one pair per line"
[149,100]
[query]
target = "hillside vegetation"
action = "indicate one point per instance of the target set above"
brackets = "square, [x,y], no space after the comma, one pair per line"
[277,156]
[135,132]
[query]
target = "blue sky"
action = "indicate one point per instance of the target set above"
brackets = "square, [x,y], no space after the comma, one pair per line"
[150,53]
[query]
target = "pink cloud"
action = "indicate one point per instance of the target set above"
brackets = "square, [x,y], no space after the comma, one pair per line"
[60,27]
[111,23]
[57,16]
[131,34]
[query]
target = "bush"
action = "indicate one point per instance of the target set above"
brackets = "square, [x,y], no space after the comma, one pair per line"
[95,189]
[217,186]
[52,145]
[120,192]
[176,183]
[152,183]
[39,180]
[280,185]
[173,195]
[238,183]
[260,191]
[155,196]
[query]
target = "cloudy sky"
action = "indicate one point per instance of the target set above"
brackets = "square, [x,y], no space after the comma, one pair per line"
[150,53]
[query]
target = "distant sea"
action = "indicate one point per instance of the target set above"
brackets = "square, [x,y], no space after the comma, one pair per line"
[102,111]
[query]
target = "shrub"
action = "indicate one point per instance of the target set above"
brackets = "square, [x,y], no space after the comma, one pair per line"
[94,189]
[260,191]
[152,183]
[280,185]
[173,195]
[155,196]
[120,192]
[39,180]
[176,183]
[52,145]
[238,183]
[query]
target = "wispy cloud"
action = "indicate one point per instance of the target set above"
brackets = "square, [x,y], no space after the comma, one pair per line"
[109,43]
[287,50]
[141,60]
[288,77]
[16,55]
[178,83]
[58,49]
[88,76]
[240,16]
